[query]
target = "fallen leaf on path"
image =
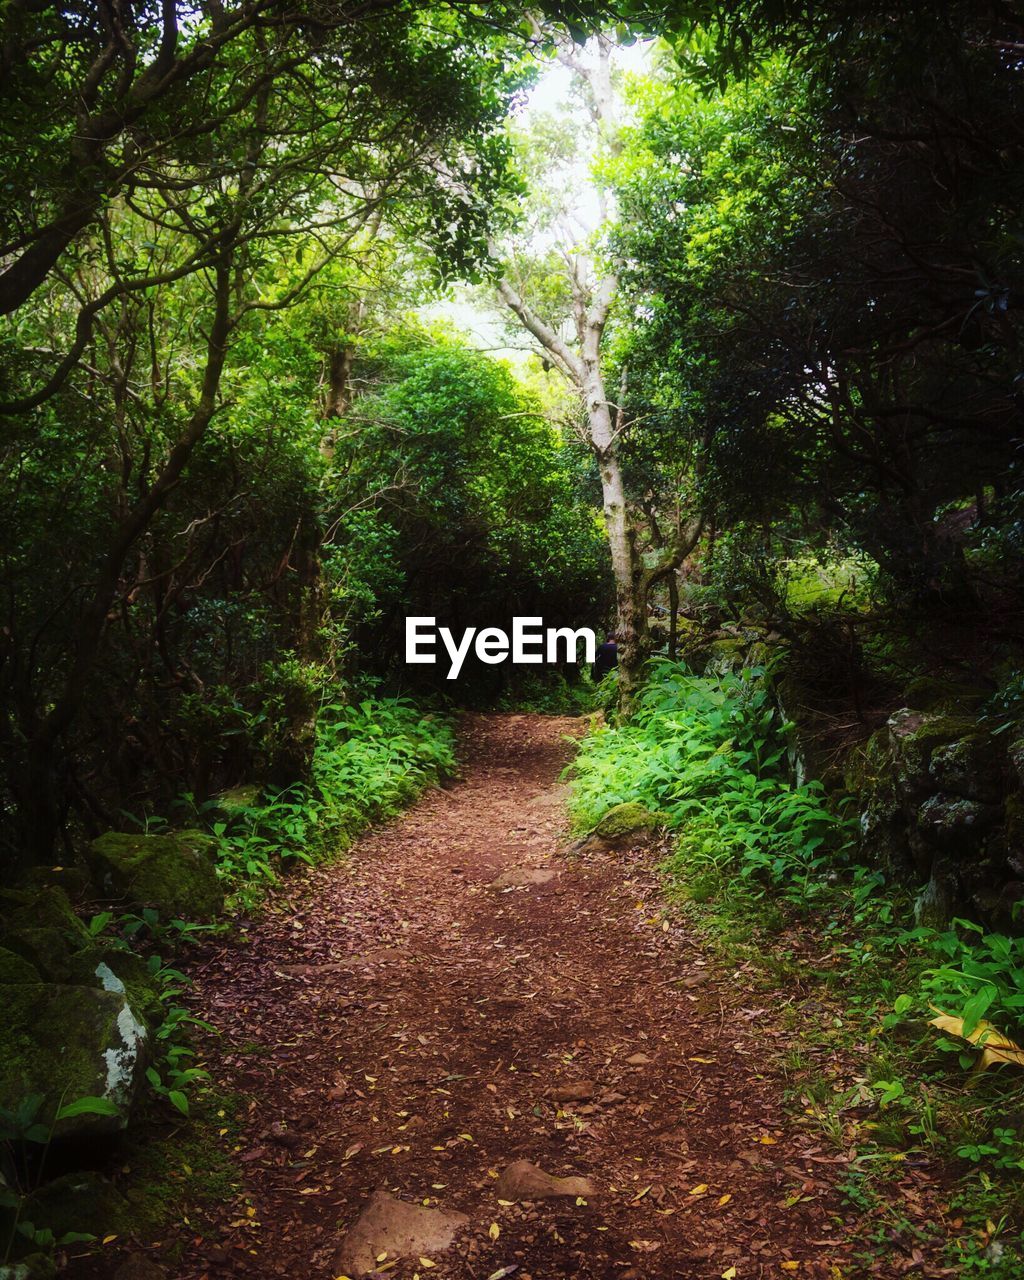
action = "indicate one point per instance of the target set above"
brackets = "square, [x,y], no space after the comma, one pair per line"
[494,1231]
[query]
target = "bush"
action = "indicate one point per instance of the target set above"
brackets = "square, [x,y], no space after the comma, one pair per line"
[710,753]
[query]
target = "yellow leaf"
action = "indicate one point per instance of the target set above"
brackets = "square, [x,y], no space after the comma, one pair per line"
[699,1190]
[427,1263]
[580,1202]
[724,1199]
[494,1231]
[995,1047]
[768,1140]
[108,1239]
[790,1266]
[640,1194]
[708,1062]
[729,1274]
[382,1257]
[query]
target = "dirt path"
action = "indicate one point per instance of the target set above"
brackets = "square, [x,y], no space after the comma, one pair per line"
[401,1024]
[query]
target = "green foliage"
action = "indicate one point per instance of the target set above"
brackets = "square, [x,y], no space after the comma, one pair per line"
[710,753]
[369,761]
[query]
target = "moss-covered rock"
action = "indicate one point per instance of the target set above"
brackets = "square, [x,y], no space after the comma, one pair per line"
[64,1042]
[236,801]
[84,1201]
[939,694]
[914,736]
[625,820]
[72,881]
[172,873]
[40,925]
[16,969]
[953,821]
[971,767]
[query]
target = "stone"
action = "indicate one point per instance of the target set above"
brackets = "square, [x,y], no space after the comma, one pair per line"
[638,1060]
[40,925]
[172,873]
[969,767]
[521,877]
[83,1201]
[625,820]
[237,801]
[15,969]
[65,1042]
[389,1225]
[522,1180]
[947,820]
[914,736]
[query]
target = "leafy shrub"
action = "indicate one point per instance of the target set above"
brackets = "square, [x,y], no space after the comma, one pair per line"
[369,760]
[710,752]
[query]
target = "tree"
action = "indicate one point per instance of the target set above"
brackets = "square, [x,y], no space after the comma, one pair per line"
[190,157]
[580,303]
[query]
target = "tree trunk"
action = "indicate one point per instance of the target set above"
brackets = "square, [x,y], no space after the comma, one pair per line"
[631,629]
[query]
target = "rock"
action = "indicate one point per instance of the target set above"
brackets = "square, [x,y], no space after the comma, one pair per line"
[969,767]
[1016,754]
[580,1091]
[914,736]
[520,877]
[83,1201]
[15,969]
[237,801]
[625,820]
[946,820]
[399,1229]
[638,1060]
[65,1042]
[525,1181]
[173,873]
[72,881]
[40,925]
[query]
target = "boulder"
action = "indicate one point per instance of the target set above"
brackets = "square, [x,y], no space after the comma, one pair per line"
[62,1042]
[969,767]
[623,822]
[951,821]
[390,1226]
[40,925]
[173,873]
[82,1201]
[237,801]
[522,1180]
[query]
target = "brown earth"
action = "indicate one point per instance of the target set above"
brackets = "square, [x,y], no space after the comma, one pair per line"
[402,1024]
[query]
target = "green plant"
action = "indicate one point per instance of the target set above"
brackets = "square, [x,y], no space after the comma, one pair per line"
[710,753]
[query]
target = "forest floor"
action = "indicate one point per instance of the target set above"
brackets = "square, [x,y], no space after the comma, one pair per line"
[400,1021]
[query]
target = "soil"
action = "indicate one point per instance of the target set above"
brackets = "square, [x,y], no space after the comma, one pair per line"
[400,1023]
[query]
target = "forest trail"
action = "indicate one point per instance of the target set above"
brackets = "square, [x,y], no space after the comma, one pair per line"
[398,1022]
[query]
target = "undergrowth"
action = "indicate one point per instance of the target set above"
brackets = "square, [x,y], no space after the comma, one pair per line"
[771,876]
[370,760]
